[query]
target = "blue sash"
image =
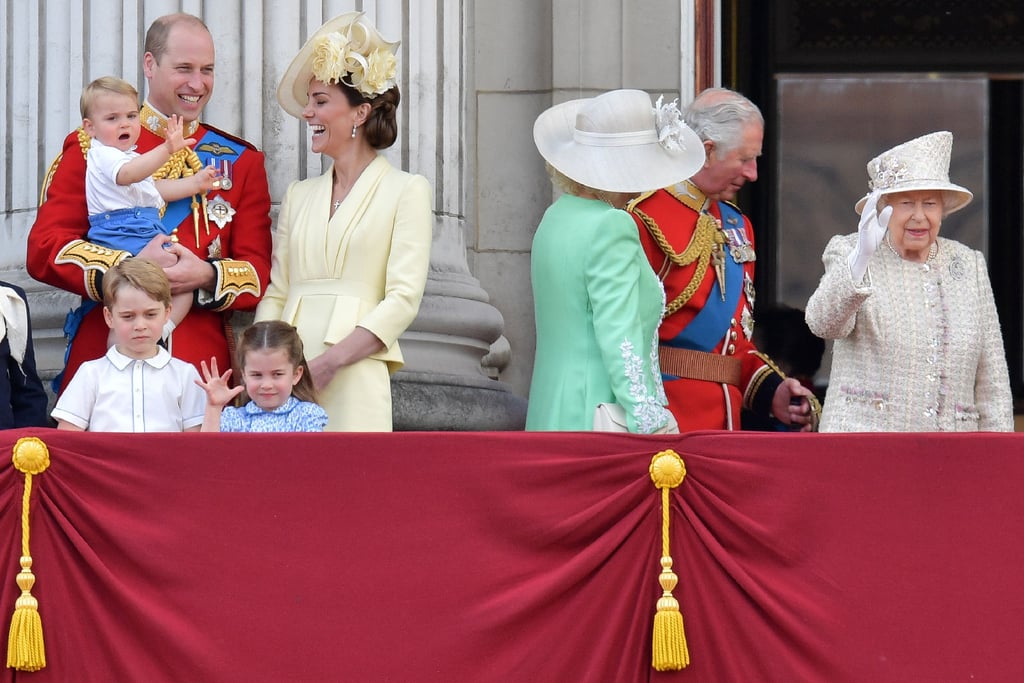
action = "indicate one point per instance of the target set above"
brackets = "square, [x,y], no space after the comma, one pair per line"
[709,325]
[211,147]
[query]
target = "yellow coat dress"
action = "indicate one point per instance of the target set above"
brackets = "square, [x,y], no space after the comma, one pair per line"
[365,266]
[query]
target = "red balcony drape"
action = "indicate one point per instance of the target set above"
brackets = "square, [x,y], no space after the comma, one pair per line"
[519,556]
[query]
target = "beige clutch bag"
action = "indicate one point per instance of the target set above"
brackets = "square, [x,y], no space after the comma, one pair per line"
[611,417]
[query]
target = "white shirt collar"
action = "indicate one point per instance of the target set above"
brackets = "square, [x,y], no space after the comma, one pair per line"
[121,361]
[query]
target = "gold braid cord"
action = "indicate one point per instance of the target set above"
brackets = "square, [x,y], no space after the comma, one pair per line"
[233,279]
[669,651]
[25,648]
[702,241]
[183,164]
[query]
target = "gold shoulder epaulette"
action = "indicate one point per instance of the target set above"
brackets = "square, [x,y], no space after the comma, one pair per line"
[689,194]
[631,204]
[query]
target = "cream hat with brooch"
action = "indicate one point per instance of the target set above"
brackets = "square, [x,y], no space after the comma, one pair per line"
[920,164]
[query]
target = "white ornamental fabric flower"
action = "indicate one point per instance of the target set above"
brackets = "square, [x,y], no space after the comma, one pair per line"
[668,121]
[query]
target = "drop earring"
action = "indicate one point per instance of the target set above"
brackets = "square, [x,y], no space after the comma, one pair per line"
[353,131]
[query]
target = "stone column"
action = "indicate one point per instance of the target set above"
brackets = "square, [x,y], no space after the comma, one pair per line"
[454,349]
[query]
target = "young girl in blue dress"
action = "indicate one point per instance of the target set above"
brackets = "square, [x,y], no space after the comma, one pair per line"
[277,392]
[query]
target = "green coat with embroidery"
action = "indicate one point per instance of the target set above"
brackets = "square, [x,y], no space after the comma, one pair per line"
[597,305]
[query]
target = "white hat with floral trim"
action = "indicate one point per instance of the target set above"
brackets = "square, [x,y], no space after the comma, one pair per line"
[619,142]
[347,49]
[921,164]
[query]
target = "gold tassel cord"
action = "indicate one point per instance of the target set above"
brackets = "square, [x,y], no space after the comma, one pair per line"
[668,646]
[25,648]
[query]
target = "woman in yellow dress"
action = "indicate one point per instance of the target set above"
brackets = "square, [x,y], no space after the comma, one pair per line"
[352,246]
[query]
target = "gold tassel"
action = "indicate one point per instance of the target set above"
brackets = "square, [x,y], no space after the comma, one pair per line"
[668,646]
[25,648]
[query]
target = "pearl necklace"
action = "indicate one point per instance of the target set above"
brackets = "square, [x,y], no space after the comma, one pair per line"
[932,250]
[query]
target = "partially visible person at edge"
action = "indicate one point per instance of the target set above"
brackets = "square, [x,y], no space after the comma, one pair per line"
[352,246]
[702,248]
[223,250]
[277,392]
[918,346]
[597,303]
[23,400]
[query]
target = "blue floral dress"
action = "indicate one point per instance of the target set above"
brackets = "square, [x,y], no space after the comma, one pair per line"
[293,416]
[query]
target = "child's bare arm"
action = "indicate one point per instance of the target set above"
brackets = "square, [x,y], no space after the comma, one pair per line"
[179,188]
[148,163]
[180,306]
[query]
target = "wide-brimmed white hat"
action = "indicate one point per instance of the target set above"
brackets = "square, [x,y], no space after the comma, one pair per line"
[619,142]
[348,48]
[921,164]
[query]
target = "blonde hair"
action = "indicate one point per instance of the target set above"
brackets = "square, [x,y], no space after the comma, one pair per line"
[277,335]
[105,84]
[140,273]
[565,184]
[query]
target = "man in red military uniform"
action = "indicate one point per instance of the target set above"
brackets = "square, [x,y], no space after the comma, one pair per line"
[220,246]
[702,248]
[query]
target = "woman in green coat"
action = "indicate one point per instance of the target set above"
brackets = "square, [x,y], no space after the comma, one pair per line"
[596,300]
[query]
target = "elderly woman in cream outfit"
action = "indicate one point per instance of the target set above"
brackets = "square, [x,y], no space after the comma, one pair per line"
[352,246]
[917,339]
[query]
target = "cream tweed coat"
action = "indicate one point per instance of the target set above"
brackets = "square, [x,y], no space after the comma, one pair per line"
[917,345]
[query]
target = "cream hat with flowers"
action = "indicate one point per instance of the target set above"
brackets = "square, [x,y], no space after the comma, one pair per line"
[619,142]
[921,164]
[347,48]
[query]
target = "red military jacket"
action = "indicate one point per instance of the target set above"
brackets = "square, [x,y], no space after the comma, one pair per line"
[229,227]
[697,245]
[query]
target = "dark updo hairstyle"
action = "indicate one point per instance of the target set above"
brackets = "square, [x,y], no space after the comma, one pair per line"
[276,335]
[381,127]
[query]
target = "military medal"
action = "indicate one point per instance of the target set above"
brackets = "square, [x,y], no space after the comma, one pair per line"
[748,289]
[739,246]
[220,211]
[224,167]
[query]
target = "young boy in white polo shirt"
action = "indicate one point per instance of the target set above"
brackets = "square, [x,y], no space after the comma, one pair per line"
[137,386]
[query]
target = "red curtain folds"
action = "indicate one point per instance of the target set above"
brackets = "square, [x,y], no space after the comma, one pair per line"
[519,557]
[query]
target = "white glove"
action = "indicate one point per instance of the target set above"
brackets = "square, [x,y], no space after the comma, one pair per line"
[870,233]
